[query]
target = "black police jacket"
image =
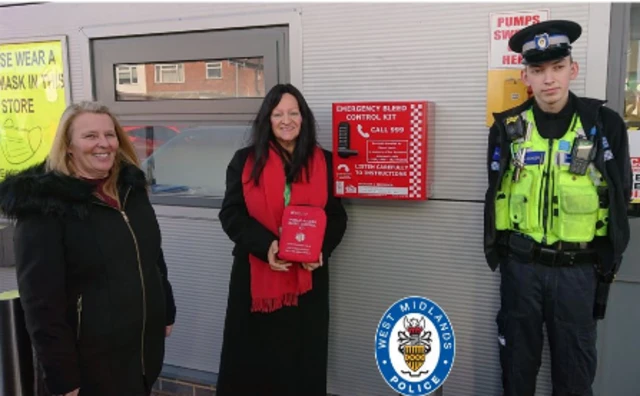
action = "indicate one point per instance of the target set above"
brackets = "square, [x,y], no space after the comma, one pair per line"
[617,173]
[73,251]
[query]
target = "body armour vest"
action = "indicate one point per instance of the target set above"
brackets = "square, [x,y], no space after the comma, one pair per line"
[547,202]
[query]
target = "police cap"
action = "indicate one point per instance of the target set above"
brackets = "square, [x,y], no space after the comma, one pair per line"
[545,41]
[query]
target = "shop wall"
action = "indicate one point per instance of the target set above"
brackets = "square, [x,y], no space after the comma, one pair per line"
[353,52]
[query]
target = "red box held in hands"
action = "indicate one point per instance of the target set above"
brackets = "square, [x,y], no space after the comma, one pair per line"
[302,235]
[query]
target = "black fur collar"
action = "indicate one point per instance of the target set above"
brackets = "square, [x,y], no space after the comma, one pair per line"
[34,191]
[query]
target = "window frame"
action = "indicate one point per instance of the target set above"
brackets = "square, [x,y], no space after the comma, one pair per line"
[178,68]
[207,68]
[127,69]
[270,43]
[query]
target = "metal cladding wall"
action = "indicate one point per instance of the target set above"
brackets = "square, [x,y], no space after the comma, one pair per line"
[7,279]
[354,52]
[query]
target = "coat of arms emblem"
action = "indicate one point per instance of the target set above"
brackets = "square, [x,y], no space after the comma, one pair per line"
[414,343]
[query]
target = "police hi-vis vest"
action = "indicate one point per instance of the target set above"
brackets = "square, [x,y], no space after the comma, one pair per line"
[548,203]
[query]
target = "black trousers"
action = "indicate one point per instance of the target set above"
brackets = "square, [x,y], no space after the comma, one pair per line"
[563,298]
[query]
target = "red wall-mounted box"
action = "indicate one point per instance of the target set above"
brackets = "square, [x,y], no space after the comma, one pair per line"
[380,149]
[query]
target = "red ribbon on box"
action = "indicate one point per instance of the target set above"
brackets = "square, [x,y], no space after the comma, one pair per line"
[303,229]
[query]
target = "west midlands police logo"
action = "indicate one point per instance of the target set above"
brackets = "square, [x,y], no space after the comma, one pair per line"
[415,346]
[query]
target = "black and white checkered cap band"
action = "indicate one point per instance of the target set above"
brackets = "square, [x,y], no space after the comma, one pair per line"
[543,42]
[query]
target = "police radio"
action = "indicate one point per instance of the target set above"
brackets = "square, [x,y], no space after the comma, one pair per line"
[582,154]
[344,141]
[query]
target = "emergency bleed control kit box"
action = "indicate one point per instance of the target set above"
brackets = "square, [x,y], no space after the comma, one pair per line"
[382,150]
[303,229]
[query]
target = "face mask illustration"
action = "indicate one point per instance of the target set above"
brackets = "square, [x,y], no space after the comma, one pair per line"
[19,145]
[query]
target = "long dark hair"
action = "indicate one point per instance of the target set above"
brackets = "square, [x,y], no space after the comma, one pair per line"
[262,136]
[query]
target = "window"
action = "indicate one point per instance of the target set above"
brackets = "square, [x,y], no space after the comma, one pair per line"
[179,86]
[169,74]
[146,139]
[200,80]
[187,161]
[214,70]
[195,97]
[127,75]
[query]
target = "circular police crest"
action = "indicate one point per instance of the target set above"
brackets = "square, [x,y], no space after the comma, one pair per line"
[542,41]
[415,346]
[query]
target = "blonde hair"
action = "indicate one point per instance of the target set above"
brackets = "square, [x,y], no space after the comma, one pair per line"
[59,160]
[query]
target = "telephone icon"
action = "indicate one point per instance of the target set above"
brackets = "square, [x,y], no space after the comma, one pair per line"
[362,133]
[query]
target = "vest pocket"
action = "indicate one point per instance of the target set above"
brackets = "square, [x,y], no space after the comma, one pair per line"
[523,205]
[577,211]
[502,203]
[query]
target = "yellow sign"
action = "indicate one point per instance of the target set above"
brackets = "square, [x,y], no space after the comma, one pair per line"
[505,90]
[32,99]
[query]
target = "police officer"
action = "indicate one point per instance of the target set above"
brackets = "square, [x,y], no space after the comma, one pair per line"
[555,216]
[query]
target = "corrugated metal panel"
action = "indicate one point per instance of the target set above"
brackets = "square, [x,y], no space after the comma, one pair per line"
[200,260]
[8,279]
[436,52]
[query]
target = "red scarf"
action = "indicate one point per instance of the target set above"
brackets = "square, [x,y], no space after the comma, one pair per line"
[271,290]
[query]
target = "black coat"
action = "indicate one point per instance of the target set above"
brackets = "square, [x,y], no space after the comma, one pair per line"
[282,353]
[92,281]
[617,174]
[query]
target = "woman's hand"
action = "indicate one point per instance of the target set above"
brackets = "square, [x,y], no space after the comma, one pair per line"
[73,393]
[167,330]
[313,266]
[275,263]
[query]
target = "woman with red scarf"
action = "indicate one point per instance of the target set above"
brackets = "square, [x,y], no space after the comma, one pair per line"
[277,323]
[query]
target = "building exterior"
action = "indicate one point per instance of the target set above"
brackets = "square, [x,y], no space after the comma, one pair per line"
[203,69]
[192,80]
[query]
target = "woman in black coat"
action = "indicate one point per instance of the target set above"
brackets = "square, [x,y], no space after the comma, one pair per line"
[91,273]
[277,323]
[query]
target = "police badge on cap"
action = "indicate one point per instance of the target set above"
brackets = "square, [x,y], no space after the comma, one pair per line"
[545,41]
